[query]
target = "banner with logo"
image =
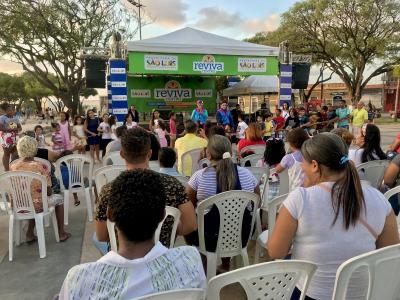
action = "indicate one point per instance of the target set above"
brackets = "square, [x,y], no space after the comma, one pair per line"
[201,64]
[285,85]
[171,93]
[118,88]
[109,98]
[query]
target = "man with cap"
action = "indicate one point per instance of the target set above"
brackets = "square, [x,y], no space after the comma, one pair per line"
[199,114]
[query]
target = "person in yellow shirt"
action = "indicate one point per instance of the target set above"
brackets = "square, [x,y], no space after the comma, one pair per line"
[360,117]
[189,142]
[269,126]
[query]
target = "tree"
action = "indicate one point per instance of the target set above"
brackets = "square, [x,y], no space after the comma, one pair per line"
[46,37]
[221,83]
[346,35]
[36,90]
[12,89]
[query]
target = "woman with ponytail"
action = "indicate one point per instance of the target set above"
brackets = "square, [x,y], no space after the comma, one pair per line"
[223,175]
[332,220]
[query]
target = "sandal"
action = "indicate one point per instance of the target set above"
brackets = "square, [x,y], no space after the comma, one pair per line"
[77,203]
[67,236]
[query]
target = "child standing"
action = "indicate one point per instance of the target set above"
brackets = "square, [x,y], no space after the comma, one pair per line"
[161,133]
[40,138]
[65,130]
[105,130]
[279,122]
[172,129]
[57,138]
[260,123]
[241,127]
[113,125]
[129,123]
[269,126]
[79,133]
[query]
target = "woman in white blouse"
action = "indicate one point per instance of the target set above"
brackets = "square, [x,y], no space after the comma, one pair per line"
[333,220]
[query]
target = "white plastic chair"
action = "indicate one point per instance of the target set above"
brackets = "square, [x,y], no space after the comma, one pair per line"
[390,193]
[183,179]
[76,183]
[252,158]
[184,294]
[270,280]
[191,157]
[204,162]
[259,172]
[46,163]
[283,186]
[257,149]
[19,190]
[169,212]
[231,206]
[373,171]
[113,158]
[383,268]
[107,174]
[272,209]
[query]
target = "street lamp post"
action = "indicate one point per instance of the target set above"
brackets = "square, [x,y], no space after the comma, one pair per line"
[139,6]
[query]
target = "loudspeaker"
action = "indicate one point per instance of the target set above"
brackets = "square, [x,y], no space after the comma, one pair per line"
[300,75]
[95,70]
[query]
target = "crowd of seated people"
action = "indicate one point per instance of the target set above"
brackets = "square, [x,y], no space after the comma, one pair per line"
[329,216]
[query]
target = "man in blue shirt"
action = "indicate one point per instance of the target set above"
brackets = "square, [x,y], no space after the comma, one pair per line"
[342,115]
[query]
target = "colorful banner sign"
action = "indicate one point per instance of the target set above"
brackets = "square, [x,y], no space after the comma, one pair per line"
[109,98]
[201,64]
[118,88]
[171,93]
[285,84]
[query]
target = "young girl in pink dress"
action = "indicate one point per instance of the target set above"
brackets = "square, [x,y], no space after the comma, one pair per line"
[161,133]
[65,130]
[57,138]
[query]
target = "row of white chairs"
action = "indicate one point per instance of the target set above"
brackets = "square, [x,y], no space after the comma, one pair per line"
[278,279]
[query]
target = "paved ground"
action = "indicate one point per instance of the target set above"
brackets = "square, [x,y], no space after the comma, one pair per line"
[29,277]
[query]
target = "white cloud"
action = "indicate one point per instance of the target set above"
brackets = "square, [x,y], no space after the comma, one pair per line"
[167,13]
[269,23]
[215,17]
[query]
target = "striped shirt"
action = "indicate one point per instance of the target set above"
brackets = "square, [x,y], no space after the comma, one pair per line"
[204,182]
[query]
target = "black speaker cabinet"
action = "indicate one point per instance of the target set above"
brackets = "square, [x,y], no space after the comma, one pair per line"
[95,70]
[300,75]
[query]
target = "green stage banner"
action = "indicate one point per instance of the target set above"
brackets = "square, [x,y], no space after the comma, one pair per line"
[171,93]
[199,64]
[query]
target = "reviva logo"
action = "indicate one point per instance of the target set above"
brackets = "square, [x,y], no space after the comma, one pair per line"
[208,65]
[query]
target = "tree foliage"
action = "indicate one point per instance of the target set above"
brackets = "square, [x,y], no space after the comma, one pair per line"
[345,35]
[46,36]
[12,89]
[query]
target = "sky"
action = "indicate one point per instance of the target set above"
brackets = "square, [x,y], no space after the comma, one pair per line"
[236,19]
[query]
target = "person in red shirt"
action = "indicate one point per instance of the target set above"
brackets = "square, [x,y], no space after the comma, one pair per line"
[254,136]
[279,122]
[172,129]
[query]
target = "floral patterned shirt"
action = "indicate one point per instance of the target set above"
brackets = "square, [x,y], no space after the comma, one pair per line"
[176,196]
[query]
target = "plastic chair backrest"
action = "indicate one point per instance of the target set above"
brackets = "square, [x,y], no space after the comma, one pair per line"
[383,268]
[252,158]
[231,206]
[169,212]
[273,208]
[203,163]
[373,171]
[184,294]
[183,179]
[18,186]
[107,174]
[283,181]
[270,280]
[46,163]
[113,158]
[390,193]
[259,172]
[257,149]
[75,164]
[194,159]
